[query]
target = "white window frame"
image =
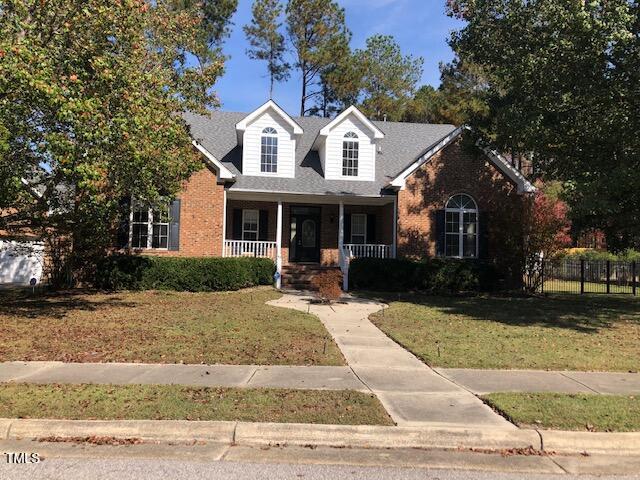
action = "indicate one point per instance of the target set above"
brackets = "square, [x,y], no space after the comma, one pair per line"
[460,234]
[364,223]
[269,133]
[150,224]
[257,230]
[350,143]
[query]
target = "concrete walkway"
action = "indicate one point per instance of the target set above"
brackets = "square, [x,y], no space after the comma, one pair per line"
[296,377]
[411,392]
[487,381]
[311,377]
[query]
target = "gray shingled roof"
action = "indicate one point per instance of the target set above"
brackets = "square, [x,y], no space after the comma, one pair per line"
[402,145]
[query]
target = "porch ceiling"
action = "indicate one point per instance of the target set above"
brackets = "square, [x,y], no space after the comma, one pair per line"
[309,198]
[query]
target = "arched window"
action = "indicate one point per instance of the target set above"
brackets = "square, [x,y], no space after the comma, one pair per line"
[350,152]
[461,234]
[269,151]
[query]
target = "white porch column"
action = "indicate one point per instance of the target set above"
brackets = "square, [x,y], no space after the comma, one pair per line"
[344,263]
[340,232]
[279,246]
[224,220]
[394,247]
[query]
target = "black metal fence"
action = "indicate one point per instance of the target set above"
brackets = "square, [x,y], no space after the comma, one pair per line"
[590,276]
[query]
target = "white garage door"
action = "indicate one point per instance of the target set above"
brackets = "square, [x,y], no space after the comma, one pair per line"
[20,262]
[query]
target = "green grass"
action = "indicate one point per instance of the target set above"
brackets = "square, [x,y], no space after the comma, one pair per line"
[162,327]
[559,332]
[171,402]
[601,413]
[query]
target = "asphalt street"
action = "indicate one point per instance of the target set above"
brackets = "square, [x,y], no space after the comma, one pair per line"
[138,469]
[87,461]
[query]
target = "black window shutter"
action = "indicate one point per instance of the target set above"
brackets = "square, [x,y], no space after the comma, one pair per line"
[174,225]
[123,225]
[263,225]
[347,228]
[371,228]
[440,232]
[237,224]
[483,234]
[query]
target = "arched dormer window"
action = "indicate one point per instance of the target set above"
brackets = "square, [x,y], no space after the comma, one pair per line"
[269,151]
[350,152]
[461,233]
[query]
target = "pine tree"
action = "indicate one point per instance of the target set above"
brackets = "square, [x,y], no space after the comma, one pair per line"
[266,40]
[320,37]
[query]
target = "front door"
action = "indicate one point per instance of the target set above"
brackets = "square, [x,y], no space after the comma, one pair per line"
[305,234]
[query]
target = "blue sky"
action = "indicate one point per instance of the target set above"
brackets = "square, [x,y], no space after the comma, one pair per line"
[421,27]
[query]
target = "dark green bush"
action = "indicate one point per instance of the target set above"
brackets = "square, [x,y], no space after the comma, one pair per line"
[434,275]
[133,272]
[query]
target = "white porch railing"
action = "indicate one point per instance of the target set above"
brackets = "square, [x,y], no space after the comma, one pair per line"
[358,250]
[249,248]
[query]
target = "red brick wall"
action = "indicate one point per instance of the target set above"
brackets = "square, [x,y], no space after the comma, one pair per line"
[453,170]
[456,169]
[201,207]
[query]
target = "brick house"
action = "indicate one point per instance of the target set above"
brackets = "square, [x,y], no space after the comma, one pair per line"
[313,192]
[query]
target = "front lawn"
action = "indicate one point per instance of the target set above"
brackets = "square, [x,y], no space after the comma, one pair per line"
[559,332]
[601,413]
[162,327]
[171,402]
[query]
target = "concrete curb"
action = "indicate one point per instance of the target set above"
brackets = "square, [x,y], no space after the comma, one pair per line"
[357,436]
[152,430]
[593,442]
[383,437]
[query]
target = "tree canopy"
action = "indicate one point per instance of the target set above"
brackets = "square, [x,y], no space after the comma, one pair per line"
[319,36]
[266,40]
[91,95]
[379,78]
[563,82]
[389,79]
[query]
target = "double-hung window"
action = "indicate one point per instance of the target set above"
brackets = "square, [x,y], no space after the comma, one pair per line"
[358,228]
[150,227]
[269,151]
[350,152]
[250,221]
[461,227]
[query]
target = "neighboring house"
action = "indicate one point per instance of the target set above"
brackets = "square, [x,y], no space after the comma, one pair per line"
[317,192]
[24,254]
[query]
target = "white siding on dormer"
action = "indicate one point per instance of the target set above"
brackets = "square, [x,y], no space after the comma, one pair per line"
[251,146]
[331,155]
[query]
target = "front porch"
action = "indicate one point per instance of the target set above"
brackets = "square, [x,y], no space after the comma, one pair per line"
[325,231]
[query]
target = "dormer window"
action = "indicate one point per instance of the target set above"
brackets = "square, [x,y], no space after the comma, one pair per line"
[350,151]
[269,151]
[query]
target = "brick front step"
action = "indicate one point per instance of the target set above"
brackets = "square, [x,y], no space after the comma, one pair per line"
[299,276]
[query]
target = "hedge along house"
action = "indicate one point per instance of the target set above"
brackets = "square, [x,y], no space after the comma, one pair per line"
[313,193]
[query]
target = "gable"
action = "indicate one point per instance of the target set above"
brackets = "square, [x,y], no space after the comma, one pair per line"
[274,110]
[503,166]
[282,133]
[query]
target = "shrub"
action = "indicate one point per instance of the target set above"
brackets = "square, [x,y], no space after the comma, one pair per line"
[329,285]
[599,255]
[131,272]
[434,275]
[381,274]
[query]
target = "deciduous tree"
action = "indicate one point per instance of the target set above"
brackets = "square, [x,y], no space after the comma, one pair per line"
[563,82]
[91,94]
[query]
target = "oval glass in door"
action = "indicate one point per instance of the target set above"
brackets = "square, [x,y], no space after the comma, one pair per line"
[309,233]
